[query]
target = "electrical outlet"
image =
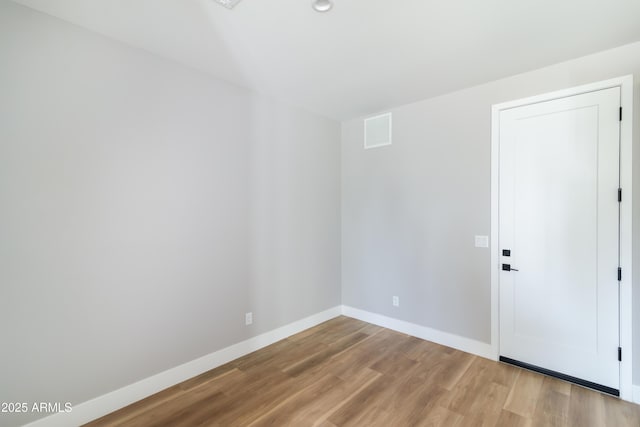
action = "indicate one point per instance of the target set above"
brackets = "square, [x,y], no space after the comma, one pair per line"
[248,318]
[396,301]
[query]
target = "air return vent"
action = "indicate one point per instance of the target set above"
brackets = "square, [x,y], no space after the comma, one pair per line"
[229,4]
[377,131]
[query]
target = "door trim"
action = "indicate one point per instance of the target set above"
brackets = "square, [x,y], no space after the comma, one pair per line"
[626,98]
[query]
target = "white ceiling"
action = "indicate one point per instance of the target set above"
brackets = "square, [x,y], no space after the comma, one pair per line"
[365,55]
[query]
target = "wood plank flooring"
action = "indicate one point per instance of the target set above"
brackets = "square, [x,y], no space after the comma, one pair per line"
[345,372]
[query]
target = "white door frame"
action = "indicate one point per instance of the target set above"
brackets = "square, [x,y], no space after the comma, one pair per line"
[626,93]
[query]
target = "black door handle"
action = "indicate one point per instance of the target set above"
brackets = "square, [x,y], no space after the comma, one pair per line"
[507,267]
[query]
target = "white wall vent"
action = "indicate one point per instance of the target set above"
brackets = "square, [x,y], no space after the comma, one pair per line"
[229,4]
[377,131]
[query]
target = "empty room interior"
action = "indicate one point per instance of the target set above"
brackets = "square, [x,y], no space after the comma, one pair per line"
[319,213]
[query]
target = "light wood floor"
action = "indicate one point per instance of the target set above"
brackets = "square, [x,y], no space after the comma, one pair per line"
[349,373]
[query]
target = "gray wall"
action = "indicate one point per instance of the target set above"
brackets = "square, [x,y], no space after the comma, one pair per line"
[144,208]
[411,210]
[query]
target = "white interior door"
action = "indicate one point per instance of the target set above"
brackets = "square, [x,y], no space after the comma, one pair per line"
[559,216]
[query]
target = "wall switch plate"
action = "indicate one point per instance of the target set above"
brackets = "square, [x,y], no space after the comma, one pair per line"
[396,301]
[248,318]
[482,241]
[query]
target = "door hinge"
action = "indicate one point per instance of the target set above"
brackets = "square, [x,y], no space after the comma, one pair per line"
[619,274]
[619,194]
[619,354]
[620,113]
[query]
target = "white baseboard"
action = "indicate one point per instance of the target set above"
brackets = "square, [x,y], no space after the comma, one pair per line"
[636,394]
[127,395]
[450,340]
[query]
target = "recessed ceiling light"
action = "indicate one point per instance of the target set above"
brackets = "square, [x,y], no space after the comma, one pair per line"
[322,5]
[229,4]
